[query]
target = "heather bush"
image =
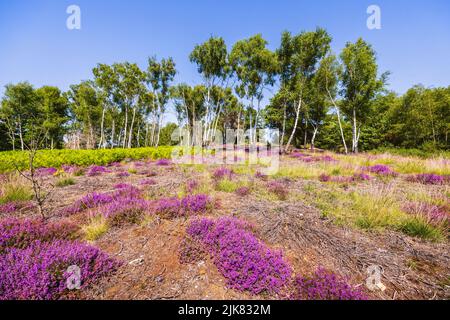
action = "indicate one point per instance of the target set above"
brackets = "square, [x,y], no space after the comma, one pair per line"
[175,207]
[163,162]
[40,271]
[279,189]
[243,191]
[427,178]
[324,285]
[124,210]
[246,263]
[42,172]
[122,174]
[381,169]
[222,173]
[20,233]
[148,182]
[89,201]
[14,206]
[96,170]
[434,214]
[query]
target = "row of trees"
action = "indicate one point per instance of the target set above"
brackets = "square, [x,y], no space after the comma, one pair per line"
[316,99]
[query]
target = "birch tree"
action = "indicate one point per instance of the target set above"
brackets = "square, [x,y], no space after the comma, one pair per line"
[360,84]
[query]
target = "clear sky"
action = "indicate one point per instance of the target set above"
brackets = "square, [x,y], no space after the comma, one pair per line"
[414,42]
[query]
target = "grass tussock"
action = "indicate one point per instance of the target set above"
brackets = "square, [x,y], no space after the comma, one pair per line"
[96,228]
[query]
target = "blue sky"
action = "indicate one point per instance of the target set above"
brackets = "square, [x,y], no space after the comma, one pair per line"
[414,42]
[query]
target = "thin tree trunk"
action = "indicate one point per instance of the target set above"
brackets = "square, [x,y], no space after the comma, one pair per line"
[125,128]
[102,132]
[295,125]
[131,128]
[113,133]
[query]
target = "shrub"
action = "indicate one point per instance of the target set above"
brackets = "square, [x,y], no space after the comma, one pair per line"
[40,271]
[124,210]
[436,215]
[427,178]
[246,263]
[278,189]
[96,170]
[175,207]
[42,172]
[324,285]
[243,191]
[381,169]
[148,182]
[122,174]
[89,201]
[222,173]
[11,207]
[163,162]
[20,233]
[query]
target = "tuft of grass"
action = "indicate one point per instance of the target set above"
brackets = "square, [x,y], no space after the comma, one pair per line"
[97,227]
[64,182]
[227,185]
[132,171]
[15,190]
[418,227]
[377,210]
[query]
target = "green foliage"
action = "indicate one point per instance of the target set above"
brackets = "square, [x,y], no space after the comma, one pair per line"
[56,158]
[418,227]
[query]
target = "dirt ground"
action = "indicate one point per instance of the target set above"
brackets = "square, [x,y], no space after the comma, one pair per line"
[412,268]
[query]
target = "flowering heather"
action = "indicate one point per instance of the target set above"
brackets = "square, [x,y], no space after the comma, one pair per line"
[341,179]
[427,178]
[39,272]
[195,203]
[122,174]
[124,209]
[260,175]
[147,182]
[436,215]
[14,206]
[71,169]
[42,172]
[278,189]
[361,177]
[19,233]
[163,162]
[89,201]
[222,173]
[191,185]
[298,155]
[381,169]
[246,263]
[243,191]
[175,207]
[324,285]
[96,170]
